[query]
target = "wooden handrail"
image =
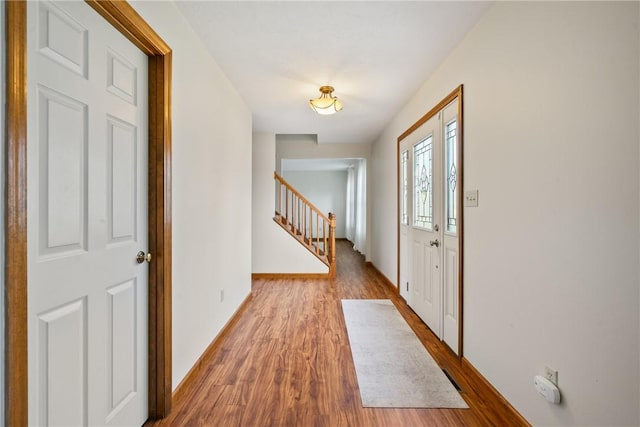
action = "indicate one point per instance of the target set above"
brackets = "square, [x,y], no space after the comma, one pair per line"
[305,222]
[300,196]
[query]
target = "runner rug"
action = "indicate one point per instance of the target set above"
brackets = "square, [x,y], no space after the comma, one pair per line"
[394,369]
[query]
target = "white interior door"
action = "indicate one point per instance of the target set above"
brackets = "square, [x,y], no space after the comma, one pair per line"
[87,219]
[428,223]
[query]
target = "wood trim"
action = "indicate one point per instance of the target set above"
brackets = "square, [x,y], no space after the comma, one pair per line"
[445,101]
[456,93]
[195,373]
[16,362]
[398,214]
[473,375]
[460,212]
[160,222]
[277,276]
[386,280]
[125,19]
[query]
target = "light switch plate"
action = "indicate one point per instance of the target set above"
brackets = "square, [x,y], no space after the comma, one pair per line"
[471,198]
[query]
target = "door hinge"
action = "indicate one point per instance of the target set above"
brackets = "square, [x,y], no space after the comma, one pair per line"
[407,286]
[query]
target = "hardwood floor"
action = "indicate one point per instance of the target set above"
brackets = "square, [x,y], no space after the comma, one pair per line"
[287,362]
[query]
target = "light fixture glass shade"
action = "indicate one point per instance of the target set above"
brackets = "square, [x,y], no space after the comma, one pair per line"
[326,104]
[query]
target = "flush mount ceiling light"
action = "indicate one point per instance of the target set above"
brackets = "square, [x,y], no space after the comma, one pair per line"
[326,104]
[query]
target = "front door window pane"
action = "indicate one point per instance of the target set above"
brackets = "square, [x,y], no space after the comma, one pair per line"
[423,183]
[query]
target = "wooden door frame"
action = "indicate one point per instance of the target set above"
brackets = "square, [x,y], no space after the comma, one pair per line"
[456,94]
[128,22]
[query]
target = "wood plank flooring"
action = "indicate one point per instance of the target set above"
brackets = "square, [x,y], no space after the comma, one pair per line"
[287,362]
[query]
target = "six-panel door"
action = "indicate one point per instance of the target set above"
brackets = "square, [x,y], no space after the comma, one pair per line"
[87,198]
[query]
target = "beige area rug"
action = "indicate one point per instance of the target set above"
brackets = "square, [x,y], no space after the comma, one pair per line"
[394,369]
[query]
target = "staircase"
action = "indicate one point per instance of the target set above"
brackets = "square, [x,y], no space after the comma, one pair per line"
[304,222]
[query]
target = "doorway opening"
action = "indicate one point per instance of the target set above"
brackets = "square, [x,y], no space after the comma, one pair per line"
[126,20]
[430,219]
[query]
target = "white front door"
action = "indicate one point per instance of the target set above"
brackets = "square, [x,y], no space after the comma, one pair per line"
[428,223]
[87,219]
[424,224]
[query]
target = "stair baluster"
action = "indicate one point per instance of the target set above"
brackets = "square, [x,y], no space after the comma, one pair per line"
[291,214]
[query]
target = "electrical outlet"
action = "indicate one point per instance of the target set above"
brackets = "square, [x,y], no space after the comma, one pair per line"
[551,374]
[221,295]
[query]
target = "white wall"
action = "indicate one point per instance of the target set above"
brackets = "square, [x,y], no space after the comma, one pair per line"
[305,148]
[273,249]
[551,270]
[327,190]
[211,190]
[289,148]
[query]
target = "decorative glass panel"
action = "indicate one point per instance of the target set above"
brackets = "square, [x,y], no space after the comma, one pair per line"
[404,160]
[451,175]
[423,186]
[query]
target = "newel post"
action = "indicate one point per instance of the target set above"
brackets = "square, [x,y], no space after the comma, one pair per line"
[332,248]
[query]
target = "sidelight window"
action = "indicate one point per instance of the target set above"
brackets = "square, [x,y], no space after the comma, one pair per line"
[404,160]
[451,175]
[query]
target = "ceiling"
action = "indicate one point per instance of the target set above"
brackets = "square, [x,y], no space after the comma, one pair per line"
[375,54]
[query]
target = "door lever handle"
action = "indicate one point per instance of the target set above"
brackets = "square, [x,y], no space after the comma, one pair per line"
[435,243]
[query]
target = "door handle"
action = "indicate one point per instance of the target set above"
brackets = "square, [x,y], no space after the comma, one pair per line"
[142,257]
[435,243]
